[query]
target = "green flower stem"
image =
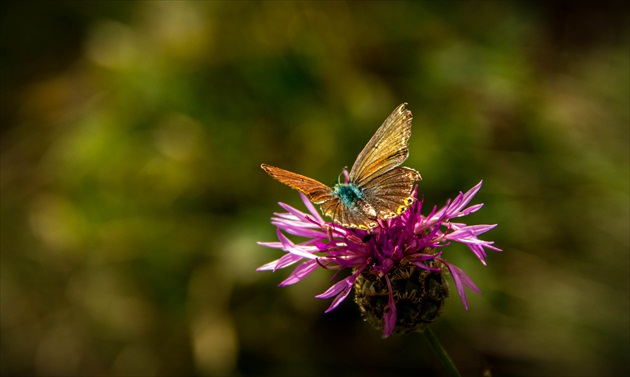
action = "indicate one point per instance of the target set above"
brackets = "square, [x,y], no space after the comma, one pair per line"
[441,353]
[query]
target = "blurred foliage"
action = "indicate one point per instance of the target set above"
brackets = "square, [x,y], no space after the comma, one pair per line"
[132,198]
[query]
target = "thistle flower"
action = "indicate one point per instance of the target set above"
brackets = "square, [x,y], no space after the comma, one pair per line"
[397,269]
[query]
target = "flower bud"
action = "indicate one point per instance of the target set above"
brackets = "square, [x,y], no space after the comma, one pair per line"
[419,295]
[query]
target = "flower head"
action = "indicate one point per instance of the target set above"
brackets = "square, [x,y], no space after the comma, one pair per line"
[396,269]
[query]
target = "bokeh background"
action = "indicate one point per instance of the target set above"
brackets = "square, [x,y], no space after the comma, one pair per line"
[132,197]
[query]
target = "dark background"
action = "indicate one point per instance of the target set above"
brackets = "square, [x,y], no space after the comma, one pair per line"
[132,197]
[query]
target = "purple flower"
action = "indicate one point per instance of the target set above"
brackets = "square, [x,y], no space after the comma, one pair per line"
[397,268]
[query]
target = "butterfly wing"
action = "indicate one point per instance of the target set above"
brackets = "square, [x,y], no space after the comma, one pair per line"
[385,150]
[347,217]
[317,192]
[389,193]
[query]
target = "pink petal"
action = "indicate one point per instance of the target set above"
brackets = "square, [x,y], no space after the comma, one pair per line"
[341,289]
[300,272]
[461,279]
[390,313]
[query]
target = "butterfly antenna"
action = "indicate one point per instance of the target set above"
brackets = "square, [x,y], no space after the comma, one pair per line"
[332,227]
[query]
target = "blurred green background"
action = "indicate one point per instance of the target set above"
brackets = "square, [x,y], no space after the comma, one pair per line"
[132,197]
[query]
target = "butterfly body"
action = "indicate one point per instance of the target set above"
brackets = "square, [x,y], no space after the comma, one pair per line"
[376,188]
[352,198]
[348,193]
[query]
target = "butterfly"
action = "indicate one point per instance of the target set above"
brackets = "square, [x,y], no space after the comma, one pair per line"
[377,186]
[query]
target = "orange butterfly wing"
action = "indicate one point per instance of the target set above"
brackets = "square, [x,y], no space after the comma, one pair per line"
[316,191]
